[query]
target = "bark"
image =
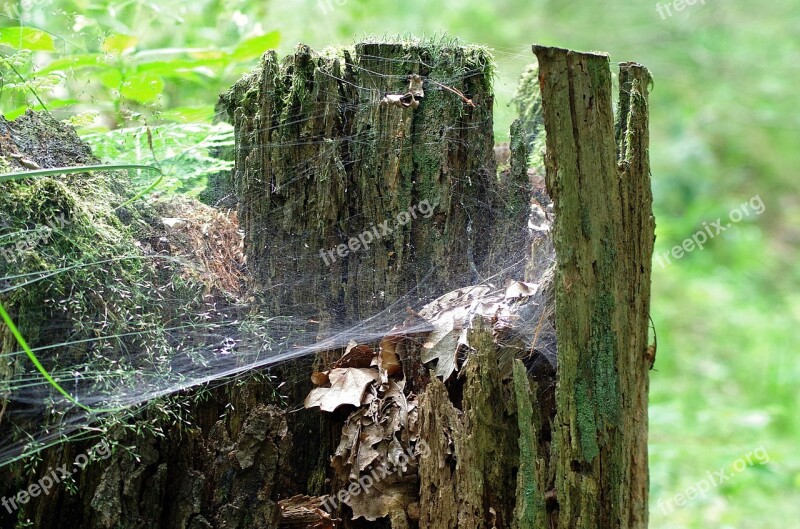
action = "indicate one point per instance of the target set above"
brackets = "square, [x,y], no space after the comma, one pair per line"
[319,160]
[604,238]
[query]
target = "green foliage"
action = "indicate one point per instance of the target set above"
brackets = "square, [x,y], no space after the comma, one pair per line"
[124,76]
[183,152]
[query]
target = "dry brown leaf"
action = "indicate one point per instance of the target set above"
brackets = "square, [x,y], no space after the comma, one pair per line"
[373,504]
[347,387]
[442,347]
[343,459]
[452,315]
[356,356]
[388,358]
[320,378]
[518,289]
[371,436]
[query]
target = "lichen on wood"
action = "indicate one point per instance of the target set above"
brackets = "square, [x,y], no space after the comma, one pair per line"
[603,237]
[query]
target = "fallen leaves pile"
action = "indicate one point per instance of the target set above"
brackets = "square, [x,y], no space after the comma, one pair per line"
[380,445]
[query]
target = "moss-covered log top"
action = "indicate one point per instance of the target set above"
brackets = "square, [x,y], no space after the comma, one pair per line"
[333,144]
[94,287]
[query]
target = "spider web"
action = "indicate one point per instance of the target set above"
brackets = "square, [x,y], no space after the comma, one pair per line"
[221,338]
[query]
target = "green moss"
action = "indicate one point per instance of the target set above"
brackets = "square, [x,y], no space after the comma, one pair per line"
[316,481]
[587,426]
[92,295]
[602,349]
[81,231]
[530,508]
[597,396]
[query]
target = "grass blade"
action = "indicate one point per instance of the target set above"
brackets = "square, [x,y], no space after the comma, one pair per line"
[21,175]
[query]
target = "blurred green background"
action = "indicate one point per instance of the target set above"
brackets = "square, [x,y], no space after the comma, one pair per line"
[725,123]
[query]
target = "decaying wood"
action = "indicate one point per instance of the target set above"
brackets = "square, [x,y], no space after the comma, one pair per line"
[603,237]
[304,512]
[583,461]
[317,154]
[506,446]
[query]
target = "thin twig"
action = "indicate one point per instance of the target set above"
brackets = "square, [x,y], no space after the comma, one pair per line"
[457,92]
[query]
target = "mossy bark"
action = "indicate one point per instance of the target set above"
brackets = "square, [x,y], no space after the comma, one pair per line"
[604,234]
[200,471]
[319,160]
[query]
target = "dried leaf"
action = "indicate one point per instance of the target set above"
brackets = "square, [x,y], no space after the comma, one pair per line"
[320,378]
[415,86]
[444,349]
[372,504]
[347,387]
[518,289]
[356,356]
[452,315]
[388,361]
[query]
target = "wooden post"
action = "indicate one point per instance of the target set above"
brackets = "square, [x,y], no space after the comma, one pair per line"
[600,183]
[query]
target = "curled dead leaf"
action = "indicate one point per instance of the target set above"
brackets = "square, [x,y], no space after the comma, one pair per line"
[320,378]
[388,359]
[347,387]
[356,356]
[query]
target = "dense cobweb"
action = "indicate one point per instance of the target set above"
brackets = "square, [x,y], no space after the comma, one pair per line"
[230,336]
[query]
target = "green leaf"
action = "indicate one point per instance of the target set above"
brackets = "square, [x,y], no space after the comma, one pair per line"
[27,38]
[144,55]
[75,62]
[119,44]
[255,46]
[183,67]
[189,114]
[111,78]
[142,87]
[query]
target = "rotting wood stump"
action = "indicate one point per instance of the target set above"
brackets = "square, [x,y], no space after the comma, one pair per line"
[485,434]
[500,456]
[332,150]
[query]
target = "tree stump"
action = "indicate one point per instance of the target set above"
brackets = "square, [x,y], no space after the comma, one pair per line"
[328,157]
[585,457]
[329,146]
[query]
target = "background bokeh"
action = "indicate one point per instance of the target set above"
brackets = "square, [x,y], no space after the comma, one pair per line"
[725,123]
